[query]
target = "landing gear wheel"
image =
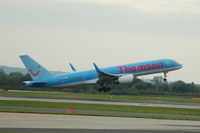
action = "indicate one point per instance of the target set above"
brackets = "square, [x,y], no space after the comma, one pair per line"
[100,89]
[165,75]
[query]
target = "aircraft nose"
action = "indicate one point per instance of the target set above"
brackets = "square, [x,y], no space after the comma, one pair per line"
[180,66]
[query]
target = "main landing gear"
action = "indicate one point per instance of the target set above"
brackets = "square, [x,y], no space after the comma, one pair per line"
[105,89]
[165,77]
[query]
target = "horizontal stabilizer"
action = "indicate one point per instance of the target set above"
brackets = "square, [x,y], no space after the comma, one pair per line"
[31,83]
[39,83]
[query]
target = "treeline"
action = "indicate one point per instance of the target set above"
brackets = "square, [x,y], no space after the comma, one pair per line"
[138,87]
[156,87]
[13,80]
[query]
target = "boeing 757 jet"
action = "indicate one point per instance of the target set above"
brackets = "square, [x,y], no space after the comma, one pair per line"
[41,77]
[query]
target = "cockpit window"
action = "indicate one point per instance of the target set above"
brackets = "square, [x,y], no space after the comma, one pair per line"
[175,62]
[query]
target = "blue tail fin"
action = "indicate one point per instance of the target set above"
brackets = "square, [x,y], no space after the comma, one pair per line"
[36,71]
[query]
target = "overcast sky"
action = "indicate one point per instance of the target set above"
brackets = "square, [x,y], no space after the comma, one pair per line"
[108,32]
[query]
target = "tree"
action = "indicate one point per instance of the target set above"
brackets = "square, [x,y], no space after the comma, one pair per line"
[3,77]
[181,86]
[157,80]
[16,75]
[26,77]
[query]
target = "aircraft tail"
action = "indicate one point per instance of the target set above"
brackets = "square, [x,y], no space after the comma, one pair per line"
[36,71]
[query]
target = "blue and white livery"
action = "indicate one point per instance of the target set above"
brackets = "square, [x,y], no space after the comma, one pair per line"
[102,76]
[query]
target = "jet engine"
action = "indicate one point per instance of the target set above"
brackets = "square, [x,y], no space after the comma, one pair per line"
[124,79]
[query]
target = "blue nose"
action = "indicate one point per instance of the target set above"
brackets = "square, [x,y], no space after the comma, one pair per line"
[180,65]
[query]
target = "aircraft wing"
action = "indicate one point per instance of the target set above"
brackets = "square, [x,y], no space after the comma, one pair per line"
[72,67]
[105,77]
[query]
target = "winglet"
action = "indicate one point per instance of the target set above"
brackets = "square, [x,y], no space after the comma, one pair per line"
[97,68]
[104,74]
[72,67]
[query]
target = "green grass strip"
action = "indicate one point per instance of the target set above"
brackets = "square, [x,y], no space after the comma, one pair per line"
[96,96]
[95,114]
[122,108]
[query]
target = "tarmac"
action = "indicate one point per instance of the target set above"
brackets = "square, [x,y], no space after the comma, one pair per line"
[49,123]
[26,122]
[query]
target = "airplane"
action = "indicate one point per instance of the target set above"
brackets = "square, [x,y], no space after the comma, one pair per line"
[104,77]
[72,67]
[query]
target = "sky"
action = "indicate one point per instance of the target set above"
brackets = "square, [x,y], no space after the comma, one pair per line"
[107,32]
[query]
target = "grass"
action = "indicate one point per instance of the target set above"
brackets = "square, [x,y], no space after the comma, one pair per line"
[121,108]
[95,114]
[95,96]
[142,116]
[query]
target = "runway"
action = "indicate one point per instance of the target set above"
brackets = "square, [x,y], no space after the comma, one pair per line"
[45,130]
[25,122]
[109,102]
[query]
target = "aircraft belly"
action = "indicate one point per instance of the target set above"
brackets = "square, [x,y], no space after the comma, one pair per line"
[94,81]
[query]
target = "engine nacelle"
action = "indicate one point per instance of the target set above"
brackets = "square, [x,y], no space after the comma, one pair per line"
[125,79]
